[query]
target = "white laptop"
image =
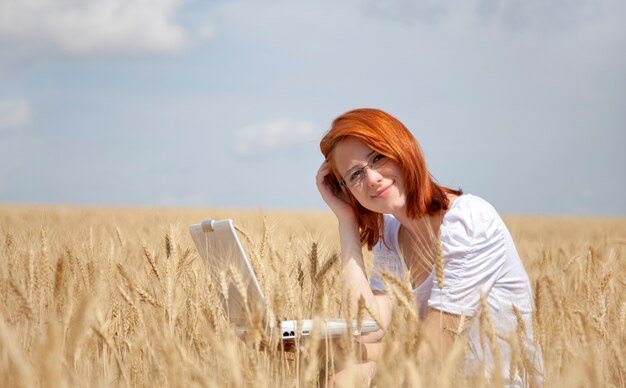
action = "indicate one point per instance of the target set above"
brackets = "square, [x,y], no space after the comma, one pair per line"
[222,251]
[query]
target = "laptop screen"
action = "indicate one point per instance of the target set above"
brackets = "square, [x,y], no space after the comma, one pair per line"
[225,259]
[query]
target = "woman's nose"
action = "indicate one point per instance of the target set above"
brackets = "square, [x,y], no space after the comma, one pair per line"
[372,176]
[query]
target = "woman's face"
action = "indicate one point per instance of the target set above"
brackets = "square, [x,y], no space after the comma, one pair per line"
[379,189]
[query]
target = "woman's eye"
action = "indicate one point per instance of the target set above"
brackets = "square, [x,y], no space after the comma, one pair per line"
[356,175]
[378,158]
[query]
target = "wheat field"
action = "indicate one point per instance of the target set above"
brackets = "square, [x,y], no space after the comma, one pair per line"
[119,297]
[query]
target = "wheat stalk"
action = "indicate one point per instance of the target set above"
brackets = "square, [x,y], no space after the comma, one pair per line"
[120,240]
[622,319]
[521,333]
[32,279]
[76,328]
[45,260]
[488,329]
[401,293]
[21,370]
[255,255]
[169,281]
[118,361]
[120,269]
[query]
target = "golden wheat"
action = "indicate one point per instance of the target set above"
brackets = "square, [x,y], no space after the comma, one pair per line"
[100,297]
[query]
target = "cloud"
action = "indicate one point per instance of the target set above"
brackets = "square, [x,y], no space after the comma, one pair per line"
[14,113]
[541,15]
[206,32]
[513,15]
[407,11]
[86,27]
[257,140]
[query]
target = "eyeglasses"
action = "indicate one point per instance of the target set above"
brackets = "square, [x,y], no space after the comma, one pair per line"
[356,176]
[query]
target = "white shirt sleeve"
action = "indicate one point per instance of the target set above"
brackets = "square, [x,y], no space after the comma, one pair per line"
[474,253]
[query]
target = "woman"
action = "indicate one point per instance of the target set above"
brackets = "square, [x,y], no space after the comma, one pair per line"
[375,181]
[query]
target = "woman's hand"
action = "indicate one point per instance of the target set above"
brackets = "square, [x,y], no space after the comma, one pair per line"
[335,201]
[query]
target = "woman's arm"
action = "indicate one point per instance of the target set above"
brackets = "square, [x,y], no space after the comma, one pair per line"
[356,284]
[439,333]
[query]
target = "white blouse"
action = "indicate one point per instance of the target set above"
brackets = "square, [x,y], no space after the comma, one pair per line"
[479,257]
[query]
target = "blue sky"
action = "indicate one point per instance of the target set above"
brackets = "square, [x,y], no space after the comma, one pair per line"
[223,103]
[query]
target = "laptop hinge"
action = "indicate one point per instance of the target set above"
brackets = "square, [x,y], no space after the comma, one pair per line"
[207,226]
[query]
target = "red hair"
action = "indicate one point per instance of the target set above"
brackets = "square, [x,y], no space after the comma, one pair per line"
[385,134]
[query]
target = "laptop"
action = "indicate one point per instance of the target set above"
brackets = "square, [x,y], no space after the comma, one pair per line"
[222,251]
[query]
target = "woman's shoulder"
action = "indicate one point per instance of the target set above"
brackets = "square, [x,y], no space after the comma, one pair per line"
[470,201]
[470,206]
[469,215]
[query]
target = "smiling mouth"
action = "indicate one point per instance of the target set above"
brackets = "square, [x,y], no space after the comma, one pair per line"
[382,191]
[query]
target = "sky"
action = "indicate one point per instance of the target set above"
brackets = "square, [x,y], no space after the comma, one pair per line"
[221,104]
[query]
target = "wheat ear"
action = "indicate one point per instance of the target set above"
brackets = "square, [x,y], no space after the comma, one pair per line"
[334,259]
[439,264]
[24,303]
[313,261]
[240,287]
[401,292]
[152,260]
[363,306]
